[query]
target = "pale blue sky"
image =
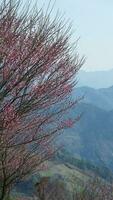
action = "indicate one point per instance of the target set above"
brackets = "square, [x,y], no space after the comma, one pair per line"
[93,22]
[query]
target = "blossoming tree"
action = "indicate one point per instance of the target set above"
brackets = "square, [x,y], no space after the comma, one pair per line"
[38,68]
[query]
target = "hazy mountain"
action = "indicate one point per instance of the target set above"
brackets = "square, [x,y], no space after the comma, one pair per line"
[96,79]
[92,137]
[102,98]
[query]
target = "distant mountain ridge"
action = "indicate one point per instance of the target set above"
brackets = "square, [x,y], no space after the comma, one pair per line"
[102,98]
[92,137]
[95,79]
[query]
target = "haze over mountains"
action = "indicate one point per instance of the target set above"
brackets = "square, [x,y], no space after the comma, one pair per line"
[92,137]
[96,79]
[102,98]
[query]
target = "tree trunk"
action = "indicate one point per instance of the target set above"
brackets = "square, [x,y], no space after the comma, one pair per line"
[4,193]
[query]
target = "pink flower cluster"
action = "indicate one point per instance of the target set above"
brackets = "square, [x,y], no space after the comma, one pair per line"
[11,119]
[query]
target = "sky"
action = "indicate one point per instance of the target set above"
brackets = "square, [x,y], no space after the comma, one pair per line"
[92,21]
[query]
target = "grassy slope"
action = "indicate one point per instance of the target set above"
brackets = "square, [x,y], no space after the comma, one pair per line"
[55,171]
[69,173]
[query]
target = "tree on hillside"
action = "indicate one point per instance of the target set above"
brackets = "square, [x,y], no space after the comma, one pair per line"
[52,189]
[38,69]
[94,189]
